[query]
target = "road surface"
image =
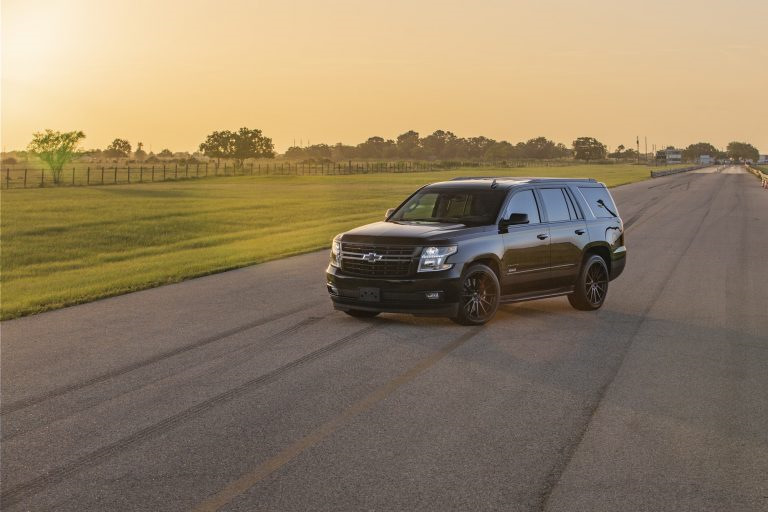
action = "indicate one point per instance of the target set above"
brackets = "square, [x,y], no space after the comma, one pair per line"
[246,391]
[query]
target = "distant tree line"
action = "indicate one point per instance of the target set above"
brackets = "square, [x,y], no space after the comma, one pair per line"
[56,149]
[440,145]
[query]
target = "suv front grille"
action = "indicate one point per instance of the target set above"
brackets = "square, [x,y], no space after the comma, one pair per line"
[377,260]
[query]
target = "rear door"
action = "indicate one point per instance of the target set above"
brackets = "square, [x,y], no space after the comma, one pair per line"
[568,234]
[525,265]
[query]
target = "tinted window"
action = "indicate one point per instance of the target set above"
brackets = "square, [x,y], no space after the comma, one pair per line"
[575,214]
[472,207]
[554,202]
[592,195]
[524,202]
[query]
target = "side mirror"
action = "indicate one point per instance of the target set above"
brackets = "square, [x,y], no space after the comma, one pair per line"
[389,212]
[515,218]
[518,218]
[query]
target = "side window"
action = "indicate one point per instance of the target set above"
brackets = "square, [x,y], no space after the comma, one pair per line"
[592,195]
[554,202]
[573,209]
[524,202]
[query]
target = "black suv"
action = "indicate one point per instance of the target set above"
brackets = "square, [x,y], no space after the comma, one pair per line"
[460,248]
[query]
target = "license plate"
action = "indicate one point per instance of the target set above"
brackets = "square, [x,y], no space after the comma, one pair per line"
[368,294]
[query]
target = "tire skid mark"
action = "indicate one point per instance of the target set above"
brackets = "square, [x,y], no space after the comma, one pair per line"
[640,212]
[572,444]
[16,493]
[268,340]
[316,436]
[68,388]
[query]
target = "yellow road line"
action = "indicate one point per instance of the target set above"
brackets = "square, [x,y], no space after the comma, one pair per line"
[248,480]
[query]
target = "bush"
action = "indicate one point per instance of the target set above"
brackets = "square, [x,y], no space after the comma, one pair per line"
[9,161]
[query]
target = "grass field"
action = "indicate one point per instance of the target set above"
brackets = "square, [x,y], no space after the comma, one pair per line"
[72,245]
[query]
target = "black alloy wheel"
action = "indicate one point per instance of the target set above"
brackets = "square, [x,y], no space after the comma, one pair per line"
[591,286]
[480,292]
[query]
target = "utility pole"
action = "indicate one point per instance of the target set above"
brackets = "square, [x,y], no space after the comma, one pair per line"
[638,149]
[646,148]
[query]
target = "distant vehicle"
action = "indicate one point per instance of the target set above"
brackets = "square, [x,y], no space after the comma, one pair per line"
[460,248]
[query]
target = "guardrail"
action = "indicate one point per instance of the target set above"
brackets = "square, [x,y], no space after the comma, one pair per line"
[659,174]
[760,174]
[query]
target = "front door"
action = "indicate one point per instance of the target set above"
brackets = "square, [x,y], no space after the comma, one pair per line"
[525,266]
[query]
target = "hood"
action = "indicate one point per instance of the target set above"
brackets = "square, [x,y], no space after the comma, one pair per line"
[407,233]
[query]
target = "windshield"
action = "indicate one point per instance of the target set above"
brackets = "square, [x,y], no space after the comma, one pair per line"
[472,207]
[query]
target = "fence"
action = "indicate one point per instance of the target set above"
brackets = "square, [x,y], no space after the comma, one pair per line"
[659,174]
[760,174]
[22,177]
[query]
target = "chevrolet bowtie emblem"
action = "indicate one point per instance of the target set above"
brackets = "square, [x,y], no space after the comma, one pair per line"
[372,256]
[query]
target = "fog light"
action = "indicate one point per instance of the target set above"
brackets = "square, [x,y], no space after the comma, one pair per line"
[434,295]
[333,290]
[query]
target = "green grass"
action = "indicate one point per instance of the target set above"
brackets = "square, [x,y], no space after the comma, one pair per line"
[71,245]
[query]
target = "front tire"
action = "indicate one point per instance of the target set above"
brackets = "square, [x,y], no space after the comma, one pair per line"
[480,291]
[591,286]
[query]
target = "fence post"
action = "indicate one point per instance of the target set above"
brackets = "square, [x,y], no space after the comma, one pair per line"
[114,180]
[102,174]
[186,170]
[25,178]
[176,171]
[7,177]
[153,173]
[206,169]
[88,176]
[197,170]
[129,173]
[73,175]
[42,177]
[141,174]
[163,172]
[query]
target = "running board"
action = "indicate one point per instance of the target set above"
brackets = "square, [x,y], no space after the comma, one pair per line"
[519,297]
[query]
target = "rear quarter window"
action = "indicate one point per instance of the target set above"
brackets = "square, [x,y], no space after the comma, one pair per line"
[593,195]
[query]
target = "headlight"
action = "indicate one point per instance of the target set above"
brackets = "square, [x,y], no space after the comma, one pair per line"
[433,258]
[336,253]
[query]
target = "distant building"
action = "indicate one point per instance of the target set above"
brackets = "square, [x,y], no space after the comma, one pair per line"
[706,160]
[670,155]
[763,159]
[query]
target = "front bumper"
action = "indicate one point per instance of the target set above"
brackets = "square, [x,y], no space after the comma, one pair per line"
[401,295]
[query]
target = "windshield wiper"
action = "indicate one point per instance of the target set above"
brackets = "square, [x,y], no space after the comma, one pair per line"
[601,203]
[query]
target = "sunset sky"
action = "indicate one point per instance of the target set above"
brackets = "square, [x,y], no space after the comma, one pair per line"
[169,72]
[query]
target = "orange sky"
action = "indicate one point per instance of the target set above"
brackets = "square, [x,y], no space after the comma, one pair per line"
[168,72]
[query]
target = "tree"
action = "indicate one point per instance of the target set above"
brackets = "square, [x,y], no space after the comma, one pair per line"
[742,151]
[409,144]
[120,148]
[56,149]
[588,148]
[219,145]
[694,151]
[245,143]
[140,153]
[439,144]
[166,153]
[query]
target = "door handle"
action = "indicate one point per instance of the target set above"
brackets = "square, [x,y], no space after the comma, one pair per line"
[579,231]
[542,236]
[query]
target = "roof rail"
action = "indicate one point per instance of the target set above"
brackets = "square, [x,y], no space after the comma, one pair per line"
[520,178]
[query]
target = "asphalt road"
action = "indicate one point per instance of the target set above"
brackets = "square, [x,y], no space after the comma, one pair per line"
[246,391]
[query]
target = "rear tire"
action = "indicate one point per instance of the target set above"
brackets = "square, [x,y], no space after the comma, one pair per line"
[361,313]
[591,285]
[480,292]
